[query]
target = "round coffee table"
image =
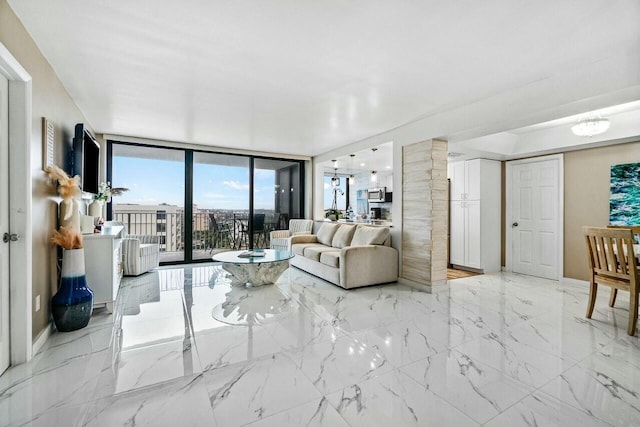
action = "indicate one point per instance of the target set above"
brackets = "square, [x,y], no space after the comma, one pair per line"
[254,271]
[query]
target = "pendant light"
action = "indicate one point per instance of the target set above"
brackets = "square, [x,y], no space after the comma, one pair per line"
[335,180]
[352,177]
[374,173]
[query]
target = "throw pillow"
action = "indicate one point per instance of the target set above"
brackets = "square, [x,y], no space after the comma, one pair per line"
[365,235]
[326,232]
[343,236]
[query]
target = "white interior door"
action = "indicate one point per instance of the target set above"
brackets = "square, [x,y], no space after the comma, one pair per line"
[456,173]
[4,224]
[536,217]
[472,236]
[457,237]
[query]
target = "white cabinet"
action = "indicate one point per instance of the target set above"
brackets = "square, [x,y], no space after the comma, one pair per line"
[475,214]
[103,265]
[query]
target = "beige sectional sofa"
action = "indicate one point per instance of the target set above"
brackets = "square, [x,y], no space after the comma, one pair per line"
[347,255]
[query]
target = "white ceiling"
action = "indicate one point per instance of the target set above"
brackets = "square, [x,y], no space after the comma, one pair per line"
[305,77]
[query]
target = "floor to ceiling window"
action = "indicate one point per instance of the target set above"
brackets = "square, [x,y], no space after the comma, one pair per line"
[201,203]
[276,197]
[220,200]
[154,204]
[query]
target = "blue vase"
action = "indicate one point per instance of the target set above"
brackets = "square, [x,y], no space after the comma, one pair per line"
[72,305]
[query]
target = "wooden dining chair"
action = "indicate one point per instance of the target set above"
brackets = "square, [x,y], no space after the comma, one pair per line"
[613,263]
[635,229]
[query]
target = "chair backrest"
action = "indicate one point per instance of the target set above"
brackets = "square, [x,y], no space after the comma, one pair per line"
[283,220]
[300,226]
[258,222]
[213,224]
[635,229]
[611,256]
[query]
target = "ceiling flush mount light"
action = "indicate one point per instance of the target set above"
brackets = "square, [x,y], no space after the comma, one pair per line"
[591,126]
[352,177]
[374,174]
[335,180]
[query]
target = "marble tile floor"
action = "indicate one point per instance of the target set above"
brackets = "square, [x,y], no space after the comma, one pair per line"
[185,348]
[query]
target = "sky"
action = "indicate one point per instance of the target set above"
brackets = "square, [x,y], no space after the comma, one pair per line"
[153,181]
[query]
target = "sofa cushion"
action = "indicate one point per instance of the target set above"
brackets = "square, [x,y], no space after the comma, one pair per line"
[343,236]
[365,235]
[314,252]
[326,232]
[298,248]
[330,258]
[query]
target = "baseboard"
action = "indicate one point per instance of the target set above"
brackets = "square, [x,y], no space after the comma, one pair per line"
[575,282]
[42,338]
[423,286]
[465,268]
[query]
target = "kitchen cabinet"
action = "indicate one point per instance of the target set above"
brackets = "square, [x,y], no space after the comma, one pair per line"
[475,214]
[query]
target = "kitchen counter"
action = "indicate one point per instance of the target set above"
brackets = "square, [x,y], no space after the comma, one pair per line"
[372,222]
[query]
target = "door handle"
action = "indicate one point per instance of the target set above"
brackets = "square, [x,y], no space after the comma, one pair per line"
[515,224]
[6,237]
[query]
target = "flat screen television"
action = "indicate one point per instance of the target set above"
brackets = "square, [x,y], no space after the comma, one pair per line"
[86,159]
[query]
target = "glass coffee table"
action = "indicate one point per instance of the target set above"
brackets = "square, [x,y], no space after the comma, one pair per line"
[254,270]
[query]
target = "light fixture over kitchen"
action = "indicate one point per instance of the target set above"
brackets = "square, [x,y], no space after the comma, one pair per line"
[374,173]
[591,126]
[335,179]
[352,177]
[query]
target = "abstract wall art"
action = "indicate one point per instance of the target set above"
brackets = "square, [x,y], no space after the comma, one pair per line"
[624,202]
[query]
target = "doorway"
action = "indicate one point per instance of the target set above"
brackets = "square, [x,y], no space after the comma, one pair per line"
[534,216]
[5,347]
[18,126]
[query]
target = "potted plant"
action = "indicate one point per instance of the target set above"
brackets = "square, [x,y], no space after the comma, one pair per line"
[332,214]
[105,192]
[72,305]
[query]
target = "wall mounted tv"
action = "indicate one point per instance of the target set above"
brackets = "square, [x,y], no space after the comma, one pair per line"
[86,159]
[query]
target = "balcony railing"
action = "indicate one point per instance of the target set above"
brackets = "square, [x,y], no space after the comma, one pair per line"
[226,234]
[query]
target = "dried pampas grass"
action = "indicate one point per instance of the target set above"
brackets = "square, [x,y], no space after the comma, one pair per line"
[68,188]
[67,238]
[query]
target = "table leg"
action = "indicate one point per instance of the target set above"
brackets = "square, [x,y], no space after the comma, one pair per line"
[258,274]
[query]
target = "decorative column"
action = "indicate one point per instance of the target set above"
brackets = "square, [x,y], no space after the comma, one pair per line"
[425,202]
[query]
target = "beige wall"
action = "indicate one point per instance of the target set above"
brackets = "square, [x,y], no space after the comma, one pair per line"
[50,100]
[586,198]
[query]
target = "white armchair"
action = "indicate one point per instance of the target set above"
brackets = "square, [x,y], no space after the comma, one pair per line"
[140,254]
[281,239]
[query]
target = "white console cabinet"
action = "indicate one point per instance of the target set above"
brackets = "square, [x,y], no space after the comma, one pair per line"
[475,214]
[103,265]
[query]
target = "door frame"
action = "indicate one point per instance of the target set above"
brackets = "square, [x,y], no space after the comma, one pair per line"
[20,196]
[508,211]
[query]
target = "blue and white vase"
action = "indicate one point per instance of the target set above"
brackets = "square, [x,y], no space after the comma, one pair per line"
[72,305]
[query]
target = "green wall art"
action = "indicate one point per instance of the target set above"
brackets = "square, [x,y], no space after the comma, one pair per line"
[624,203]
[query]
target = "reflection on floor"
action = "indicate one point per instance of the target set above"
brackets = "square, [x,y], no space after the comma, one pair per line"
[184,348]
[459,274]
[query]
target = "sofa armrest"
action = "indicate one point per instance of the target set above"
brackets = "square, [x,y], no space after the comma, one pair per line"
[368,264]
[130,245]
[304,238]
[143,238]
[279,234]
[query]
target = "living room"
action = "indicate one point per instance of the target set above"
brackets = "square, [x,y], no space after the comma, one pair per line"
[503,82]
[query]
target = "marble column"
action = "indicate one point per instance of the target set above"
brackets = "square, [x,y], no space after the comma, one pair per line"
[424,212]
